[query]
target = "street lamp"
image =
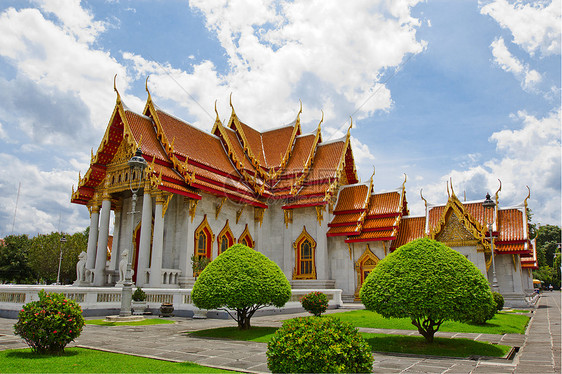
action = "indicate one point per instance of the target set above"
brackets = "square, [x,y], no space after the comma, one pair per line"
[62,241]
[488,204]
[137,164]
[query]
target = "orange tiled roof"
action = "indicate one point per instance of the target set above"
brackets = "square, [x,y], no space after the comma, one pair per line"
[352,229]
[235,161]
[411,228]
[384,203]
[377,223]
[352,198]
[367,236]
[345,218]
[511,225]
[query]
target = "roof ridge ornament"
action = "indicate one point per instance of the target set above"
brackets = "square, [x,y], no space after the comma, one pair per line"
[146,84]
[115,88]
[423,198]
[498,191]
[452,190]
[216,111]
[448,193]
[528,196]
[300,110]
[405,179]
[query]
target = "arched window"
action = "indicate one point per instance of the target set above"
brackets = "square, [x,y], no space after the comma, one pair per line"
[364,265]
[225,238]
[305,267]
[203,240]
[246,238]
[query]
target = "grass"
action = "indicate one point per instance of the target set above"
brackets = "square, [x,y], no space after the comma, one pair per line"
[80,360]
[502,323]
[145,322]
[255,334]
[378,342]
[440,346]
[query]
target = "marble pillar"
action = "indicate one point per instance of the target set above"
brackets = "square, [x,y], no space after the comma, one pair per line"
[103,235]
[145,236]
[157,244]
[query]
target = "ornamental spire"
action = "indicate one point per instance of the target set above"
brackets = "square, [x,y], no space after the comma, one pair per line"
[115,89]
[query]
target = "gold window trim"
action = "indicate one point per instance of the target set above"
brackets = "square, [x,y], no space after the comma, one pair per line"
[304,235]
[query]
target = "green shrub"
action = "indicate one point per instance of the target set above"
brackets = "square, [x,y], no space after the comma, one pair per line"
[315,303]
[49,324]
[318,345]
[139,295]
[498,298]
[429,283]
[241,281]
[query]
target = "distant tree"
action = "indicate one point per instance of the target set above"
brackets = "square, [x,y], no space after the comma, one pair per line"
[241,281]
[429,283]
[14,264]
[45,251]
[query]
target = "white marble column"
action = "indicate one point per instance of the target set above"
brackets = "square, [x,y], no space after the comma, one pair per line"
[186,252]
[92,240]
[145,236]
[157,244]
[103,235]
[321,255]
[114,261]
[288,258]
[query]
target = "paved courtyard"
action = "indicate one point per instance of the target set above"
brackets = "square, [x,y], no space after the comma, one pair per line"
[539,348]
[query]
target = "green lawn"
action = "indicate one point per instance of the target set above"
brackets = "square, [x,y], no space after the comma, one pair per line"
[502,323]
[79,360]
[378,342]
[440,347]
[147,321]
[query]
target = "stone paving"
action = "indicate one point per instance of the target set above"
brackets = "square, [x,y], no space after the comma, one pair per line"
[540,347]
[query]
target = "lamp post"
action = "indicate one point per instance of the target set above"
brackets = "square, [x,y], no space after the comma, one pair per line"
[489,204]
[137,164]
[62,241]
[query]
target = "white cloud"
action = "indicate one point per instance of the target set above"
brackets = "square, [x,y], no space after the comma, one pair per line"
[43,196]
[535,27]
[529,155]
[310,47]
[3,135]
[529,78]
[59,58]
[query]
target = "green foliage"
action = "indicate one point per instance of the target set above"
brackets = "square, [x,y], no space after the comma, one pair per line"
[315,303]
[49,324]
[429,283]
[14,264]
[241,280]
[318,345]
[498,299]
[139,295]
[45,251]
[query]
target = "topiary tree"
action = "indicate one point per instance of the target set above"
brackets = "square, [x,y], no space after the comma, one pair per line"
[498,299]
[429,283]
[315,303]
[49,324]
[318,345]
[241,280]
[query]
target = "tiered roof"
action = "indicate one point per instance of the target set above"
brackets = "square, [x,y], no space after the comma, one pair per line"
[364,216]
[234,161]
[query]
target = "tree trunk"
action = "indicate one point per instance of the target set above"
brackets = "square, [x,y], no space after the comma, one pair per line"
[427,328]
[243,319]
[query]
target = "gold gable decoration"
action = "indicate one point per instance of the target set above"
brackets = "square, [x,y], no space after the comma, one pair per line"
[476,232]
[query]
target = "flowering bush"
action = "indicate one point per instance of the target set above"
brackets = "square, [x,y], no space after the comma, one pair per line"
[49,324]
[315,303]
[318,345]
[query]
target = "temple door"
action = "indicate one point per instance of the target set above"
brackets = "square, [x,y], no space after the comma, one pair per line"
[366,263]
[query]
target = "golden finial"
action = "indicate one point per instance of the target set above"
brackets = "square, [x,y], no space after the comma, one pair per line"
[300,110]
[217,112]
[91,155]
[115,88]
[351,124]
[405,179]
[423,198]
[452,191]
[79,177]
[448,193]
[528,196]
[372,175]
[146,84]
[498,191]
[231,101]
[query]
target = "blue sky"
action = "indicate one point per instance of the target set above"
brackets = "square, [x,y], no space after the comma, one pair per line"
[439,90]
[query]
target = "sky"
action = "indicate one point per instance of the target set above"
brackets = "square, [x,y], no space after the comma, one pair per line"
[461,91]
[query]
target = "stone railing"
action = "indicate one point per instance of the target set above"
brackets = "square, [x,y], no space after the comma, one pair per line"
[170,277]
[107,300]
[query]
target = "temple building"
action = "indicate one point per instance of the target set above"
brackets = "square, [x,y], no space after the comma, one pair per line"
[290,195]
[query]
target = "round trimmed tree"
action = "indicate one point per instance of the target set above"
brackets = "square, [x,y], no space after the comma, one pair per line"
[241,281]
[430,283]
